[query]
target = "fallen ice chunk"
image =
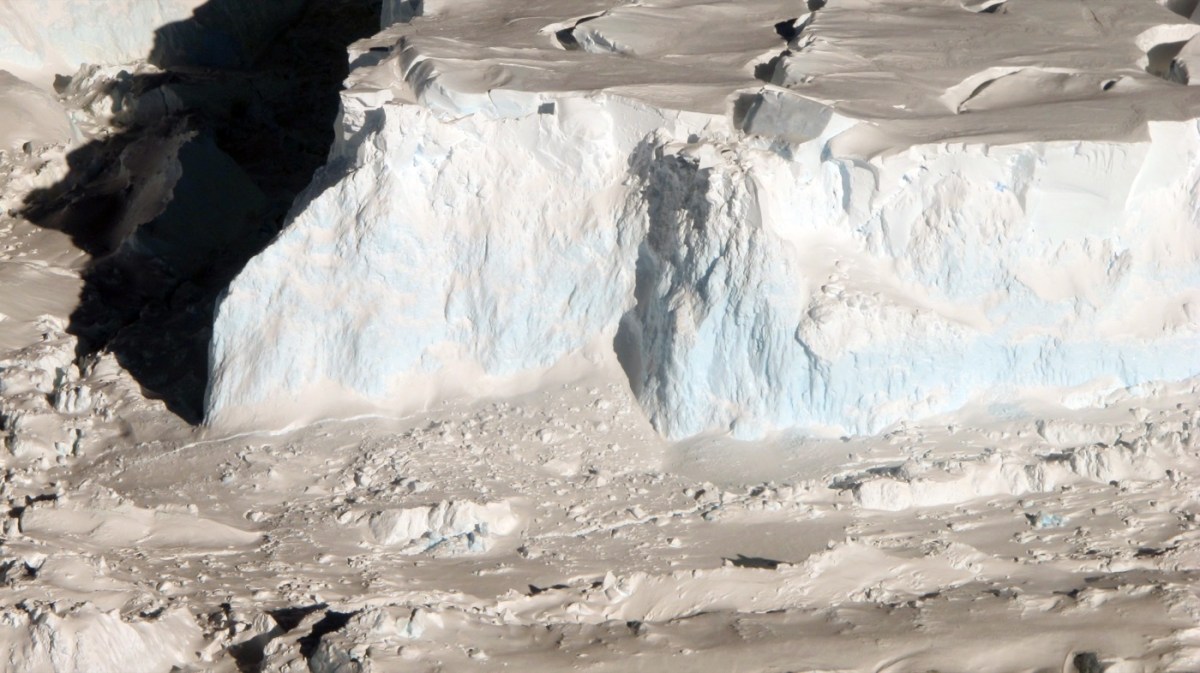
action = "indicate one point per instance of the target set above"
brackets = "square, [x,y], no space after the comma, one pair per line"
[449,527]
[1043,520]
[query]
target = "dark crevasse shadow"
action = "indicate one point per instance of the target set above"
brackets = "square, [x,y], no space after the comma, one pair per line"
[209,156]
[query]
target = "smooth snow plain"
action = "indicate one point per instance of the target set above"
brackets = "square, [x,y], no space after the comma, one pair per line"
[564,260]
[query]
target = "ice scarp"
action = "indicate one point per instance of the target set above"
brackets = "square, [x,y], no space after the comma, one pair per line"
[1005,87]
[1134,454]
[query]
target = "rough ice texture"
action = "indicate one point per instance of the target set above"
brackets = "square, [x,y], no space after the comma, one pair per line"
[448,527]
[761,248]
[400,11]
[37,637]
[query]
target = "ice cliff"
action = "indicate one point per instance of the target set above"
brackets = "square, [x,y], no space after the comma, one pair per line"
[832,221]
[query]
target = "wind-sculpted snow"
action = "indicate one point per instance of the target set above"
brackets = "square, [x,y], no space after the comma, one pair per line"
[506,205]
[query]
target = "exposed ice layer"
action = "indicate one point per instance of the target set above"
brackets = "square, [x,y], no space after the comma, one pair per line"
[401,11]
[759,261]
[1186,65]
[777,292]
[419,261]
[37,38]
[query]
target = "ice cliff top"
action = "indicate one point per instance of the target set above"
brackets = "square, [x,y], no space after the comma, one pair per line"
[915,70]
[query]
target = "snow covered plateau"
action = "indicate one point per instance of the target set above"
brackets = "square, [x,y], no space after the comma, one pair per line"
[828,219]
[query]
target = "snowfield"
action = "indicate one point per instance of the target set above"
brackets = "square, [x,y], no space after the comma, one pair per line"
[730,336]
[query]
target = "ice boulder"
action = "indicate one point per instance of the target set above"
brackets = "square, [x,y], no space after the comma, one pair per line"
[759,238]
[448,527]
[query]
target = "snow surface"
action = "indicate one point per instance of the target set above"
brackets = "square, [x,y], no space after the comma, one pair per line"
[39,39]
[30,116]
[893,213]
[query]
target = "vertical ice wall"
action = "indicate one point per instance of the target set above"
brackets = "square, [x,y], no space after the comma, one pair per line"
[436,253]
[782,290]
[751,284]
[502,200]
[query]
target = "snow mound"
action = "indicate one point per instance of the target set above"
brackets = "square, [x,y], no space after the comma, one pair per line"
[59,638]
[504,205]
[643,597]
[124,525]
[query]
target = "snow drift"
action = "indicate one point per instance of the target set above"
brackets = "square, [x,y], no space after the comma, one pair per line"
[763,241]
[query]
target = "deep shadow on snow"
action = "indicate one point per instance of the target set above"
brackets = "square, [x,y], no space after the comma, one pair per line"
[245,107]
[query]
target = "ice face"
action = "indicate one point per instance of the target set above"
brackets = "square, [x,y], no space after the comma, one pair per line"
[758,260]
[557,233]
[852,295]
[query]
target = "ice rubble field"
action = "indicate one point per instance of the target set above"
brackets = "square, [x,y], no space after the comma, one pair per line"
[938,261]
[818,221]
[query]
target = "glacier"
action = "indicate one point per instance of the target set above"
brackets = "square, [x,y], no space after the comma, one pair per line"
[773,222]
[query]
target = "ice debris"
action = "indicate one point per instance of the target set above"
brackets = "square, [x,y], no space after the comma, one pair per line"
[446,528]
[1045,520]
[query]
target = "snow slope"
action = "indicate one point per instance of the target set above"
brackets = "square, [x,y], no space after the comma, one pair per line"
[871,212]
[39,39]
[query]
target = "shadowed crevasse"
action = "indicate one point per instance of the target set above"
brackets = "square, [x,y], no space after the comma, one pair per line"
[226,135]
